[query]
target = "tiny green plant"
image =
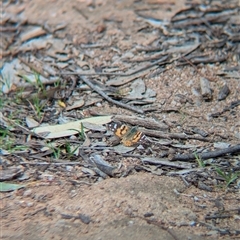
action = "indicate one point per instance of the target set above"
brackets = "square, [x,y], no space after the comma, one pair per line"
[183,116]
[18,148]
[69,150]
[6,81]
[229,177]
[199,161]
[4,132]
[81,132]
[10,145]
[19,95]
[38,81]
[26,78]
[1,102]
[6,141]
[56,151]
[57,83]
[38,106]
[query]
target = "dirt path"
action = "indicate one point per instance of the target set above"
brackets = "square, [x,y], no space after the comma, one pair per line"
[111,209]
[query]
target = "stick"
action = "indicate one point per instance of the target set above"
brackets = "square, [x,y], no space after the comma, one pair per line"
[160,61]
[104,95]
[207,155]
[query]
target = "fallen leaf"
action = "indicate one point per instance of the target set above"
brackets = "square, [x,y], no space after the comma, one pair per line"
[76,104]
[7,187]
[31,123]
[63,130]
[32,33]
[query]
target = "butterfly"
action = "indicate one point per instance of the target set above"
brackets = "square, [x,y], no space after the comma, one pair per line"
[129,136]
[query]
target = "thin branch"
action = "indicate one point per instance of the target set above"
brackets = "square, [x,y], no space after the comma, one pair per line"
[104,95]
[207,155]
[51,163]
[160,61]
[37,69]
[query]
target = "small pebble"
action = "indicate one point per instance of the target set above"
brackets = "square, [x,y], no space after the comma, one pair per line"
[148,214]
[27,193]
[69,168]
[29,204]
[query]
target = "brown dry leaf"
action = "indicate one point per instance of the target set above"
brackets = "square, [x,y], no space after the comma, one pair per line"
[87,142]
[92,100]
[138,88]
[34,44]
[94,127]
[82,64]
[10,76]
[58,46]
[31,123]
[10,173]
[121,149]
[119,81]
[32,33]
[76,104]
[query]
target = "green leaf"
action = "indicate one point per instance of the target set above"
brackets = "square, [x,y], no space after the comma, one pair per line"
[7,187]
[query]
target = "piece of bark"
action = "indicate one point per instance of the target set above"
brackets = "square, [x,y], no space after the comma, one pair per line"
[205,89]
[32,33]
[9,174]
[144,122]
[223,92]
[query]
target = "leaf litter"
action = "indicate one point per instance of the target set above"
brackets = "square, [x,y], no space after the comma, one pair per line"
[173,78]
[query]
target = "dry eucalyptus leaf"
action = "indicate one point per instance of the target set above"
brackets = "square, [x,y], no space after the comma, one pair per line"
[35,44]
[92,100]
[9,74]
[10,173]
[87,142]
[32,33]
[76,104]
[62,65]
[82,63]
[63,130]
[8,187]
[122,149]
[94,127]
[138,88]
[31,123]
[58,46]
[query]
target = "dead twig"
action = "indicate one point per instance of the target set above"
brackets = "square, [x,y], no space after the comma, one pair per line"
[104,95]
[166,162]
[155,133]
[37,69]
[145,122]
[161,61]
[207,155]
[23,129]
[51,163]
